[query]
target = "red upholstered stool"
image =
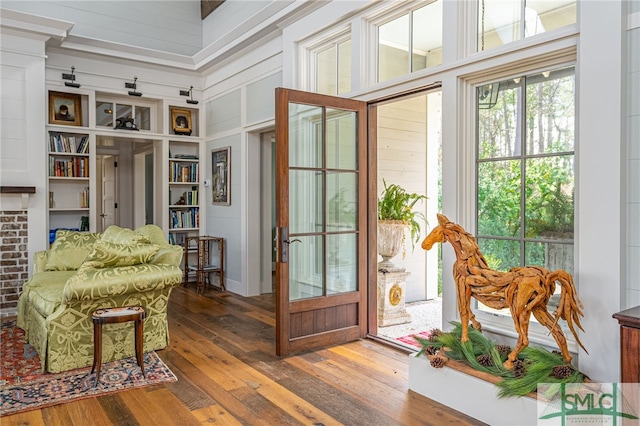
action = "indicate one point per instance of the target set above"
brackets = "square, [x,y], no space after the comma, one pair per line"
[114,316]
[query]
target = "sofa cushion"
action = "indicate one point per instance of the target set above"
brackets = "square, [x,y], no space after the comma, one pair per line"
[168,255]
[44,291]
[69,250]
[106,254]
[154,233]
[115,234]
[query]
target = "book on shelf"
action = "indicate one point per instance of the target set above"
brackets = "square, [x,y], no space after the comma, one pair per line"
[69,167]
[186,156]
[180,172]
[84,198]
[69,144]
[189,218]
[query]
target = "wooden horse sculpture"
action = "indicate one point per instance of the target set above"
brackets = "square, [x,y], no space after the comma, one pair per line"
[524,290]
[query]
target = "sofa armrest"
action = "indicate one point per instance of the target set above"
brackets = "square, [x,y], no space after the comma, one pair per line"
[40,261]
[93,284]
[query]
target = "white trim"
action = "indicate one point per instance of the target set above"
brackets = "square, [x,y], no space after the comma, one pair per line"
[633,21]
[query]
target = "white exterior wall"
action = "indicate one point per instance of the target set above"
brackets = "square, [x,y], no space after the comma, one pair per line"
[633,157]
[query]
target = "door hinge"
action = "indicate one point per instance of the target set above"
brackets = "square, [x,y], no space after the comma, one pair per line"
[115,164]
[115,205]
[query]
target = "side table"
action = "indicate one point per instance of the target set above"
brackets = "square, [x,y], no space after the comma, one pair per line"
[115,316]
[629,321]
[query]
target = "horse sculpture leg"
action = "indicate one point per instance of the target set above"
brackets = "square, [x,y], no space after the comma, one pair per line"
[464,307]
[546,319]
[521,322]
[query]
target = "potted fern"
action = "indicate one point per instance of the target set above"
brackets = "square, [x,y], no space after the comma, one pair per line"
[396,213]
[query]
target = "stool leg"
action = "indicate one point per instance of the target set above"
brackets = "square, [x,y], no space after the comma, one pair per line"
[139,324]
[97,351]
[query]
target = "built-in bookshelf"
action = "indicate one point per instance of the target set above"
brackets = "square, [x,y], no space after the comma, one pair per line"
[184,190]
[69,174]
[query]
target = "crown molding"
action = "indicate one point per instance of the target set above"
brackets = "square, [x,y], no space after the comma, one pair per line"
[126,51]
[34,25]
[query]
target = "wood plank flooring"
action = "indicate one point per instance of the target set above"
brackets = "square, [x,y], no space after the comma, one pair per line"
[223,352]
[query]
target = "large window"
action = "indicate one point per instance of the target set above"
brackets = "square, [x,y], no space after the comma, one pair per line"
[525,170]
[504,21]
[410,42]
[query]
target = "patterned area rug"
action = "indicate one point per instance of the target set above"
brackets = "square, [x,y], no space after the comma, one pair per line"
[24,387]
[409,340]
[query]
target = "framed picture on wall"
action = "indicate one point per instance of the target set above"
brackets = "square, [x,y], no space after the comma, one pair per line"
[221,175]
[65,108]
[181,121]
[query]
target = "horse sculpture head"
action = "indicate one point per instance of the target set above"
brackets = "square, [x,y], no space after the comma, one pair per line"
[437,234]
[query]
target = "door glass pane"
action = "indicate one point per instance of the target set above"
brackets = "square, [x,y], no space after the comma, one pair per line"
[305,135]
[143,118]
[342,263]
[341,139]
[305,267]
[342,207]
[393,48]
[305,202]
[550,111]
[427,36]
[104,114]
[499,198]
[326,71]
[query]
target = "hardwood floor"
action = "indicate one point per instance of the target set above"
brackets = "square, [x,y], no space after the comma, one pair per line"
[223,352]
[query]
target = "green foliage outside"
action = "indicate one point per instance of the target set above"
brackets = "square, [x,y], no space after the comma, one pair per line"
[527,164]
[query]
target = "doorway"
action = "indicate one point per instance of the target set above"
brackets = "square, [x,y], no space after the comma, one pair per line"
[403,146]
[126,186]
[108,213]
[408,143]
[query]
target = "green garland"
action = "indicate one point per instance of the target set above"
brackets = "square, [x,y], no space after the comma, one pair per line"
[539,365]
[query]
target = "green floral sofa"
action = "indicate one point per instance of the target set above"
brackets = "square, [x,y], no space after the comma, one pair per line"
[82,272]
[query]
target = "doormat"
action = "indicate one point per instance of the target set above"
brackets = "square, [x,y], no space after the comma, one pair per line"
[409,340]
[24,387]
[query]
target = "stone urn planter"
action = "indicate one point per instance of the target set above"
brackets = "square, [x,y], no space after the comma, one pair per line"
[390,242]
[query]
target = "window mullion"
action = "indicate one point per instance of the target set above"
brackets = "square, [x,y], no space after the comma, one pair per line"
[523,166]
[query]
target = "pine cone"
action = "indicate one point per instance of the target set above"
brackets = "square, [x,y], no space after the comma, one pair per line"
[437,362]
[431,350]
[435,333]
[503,350]
[562,371]
[519,368]
[485,360]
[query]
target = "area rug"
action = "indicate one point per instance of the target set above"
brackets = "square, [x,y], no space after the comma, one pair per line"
[24,387]
[409,340]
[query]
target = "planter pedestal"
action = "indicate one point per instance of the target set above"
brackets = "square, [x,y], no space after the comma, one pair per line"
[469,394]
[391,301]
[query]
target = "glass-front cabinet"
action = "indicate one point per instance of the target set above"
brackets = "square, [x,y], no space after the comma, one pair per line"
[124,115]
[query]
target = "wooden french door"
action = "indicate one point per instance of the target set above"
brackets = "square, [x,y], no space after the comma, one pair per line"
[321,220]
